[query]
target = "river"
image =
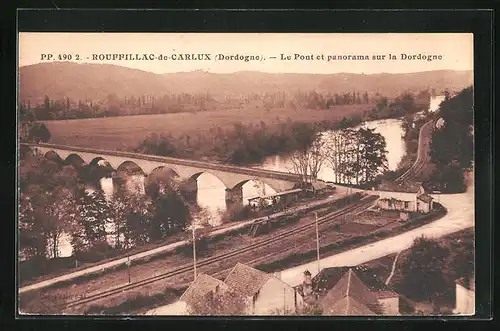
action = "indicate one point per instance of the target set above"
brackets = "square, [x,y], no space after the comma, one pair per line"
[211,191]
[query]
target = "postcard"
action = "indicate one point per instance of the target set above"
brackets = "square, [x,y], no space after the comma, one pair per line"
[231,174]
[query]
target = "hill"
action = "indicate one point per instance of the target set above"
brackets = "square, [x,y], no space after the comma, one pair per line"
[59,80]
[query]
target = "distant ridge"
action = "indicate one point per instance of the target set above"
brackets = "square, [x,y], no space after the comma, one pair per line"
[59,80]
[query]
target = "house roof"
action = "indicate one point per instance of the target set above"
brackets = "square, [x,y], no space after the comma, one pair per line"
[385,294]
[198,290]
[246,280]
[348,306]
[425,198]
[350,296]
[328,277]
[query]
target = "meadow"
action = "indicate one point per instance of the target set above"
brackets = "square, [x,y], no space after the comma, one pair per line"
[126,132]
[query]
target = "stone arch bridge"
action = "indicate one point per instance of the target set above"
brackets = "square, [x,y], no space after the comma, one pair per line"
[233,177]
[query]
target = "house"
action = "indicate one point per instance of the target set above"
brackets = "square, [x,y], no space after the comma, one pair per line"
[465,297]
[350,297]
[424,203]
[395,204]
[200,288]
[354,291]
[266,292]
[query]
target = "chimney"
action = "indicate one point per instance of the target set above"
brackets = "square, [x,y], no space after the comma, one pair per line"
[307,283]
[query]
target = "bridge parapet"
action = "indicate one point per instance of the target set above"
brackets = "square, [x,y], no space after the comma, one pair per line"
[230,175]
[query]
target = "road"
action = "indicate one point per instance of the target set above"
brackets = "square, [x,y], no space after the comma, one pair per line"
[162,249]
[460,216]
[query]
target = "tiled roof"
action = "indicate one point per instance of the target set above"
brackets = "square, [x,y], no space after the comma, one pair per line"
[348,306]
[198,290]
[425,198]
[385,294]
[328,277]
[246,280]
[350,290]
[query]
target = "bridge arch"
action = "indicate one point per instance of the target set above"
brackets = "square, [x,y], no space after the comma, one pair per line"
[129,168]
[53,156]
[194,177]
[95,161]
[243,182]
[74,160]
[160,171]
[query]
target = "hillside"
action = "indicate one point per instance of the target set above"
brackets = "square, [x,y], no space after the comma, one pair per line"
[59,80]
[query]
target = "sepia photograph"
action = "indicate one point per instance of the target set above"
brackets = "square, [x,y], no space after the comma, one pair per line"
[245,174]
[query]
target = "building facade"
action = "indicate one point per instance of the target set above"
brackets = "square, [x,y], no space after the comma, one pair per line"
[465,298]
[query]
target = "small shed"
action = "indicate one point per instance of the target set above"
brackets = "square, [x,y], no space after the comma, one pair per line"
[396,204]
[424,203]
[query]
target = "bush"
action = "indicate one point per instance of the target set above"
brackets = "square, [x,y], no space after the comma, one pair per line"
[237,212]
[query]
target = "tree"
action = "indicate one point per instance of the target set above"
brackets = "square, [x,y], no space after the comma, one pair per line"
[94,213]
[47,204]
[422,268]
[357,155]
[308,162]
[372,154]
[221,303]
[452,146]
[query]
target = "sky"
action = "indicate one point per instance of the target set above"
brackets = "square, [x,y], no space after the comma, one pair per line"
[456,50]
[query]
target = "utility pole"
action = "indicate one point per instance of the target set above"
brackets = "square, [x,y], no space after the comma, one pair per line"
[194,251]
[128,267]
[317,237]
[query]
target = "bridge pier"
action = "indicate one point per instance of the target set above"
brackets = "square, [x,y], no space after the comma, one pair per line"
[234,196]
[190,189]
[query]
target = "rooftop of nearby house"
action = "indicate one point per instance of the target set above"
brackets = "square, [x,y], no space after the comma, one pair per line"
[424,197]
[328,277]
[200,288]
[350,297]
[246,280]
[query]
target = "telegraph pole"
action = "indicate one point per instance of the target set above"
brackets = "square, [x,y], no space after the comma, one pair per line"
[194,251]
[128,267]
[317,237]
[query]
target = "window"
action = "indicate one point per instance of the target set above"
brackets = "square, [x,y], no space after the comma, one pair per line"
[407,204]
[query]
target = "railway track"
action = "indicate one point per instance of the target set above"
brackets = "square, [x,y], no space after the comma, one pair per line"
[363,203]
[421,160]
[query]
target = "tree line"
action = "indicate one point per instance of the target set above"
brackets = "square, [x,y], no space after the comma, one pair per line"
[65,109]
[113,105]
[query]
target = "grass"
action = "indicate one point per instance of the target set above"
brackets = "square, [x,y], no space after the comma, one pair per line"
[126,132]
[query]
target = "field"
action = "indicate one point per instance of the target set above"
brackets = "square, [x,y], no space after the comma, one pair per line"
[125,132]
